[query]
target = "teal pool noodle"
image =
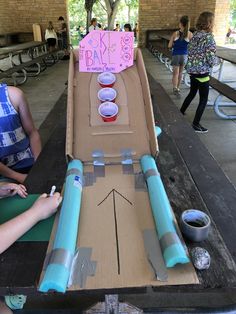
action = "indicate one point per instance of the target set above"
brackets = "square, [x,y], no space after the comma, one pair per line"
[158,131]
[172,248]
[58,270]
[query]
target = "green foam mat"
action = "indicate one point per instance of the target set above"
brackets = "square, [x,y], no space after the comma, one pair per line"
[13,206]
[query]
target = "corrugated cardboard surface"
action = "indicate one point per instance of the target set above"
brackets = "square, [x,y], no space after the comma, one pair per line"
[113,213]
[135,131]
[133,215]
[121,101]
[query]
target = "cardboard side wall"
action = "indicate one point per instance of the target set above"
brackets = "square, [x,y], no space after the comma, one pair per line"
[147,103]
[70,109]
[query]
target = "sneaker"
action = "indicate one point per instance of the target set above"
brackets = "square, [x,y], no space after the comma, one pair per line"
[199,128]
[175,91]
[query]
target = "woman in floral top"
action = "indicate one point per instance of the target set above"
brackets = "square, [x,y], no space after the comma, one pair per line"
[201,58]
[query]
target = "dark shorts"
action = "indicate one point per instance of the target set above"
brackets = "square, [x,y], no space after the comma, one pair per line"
[178,60]
[64,42]
[51,42]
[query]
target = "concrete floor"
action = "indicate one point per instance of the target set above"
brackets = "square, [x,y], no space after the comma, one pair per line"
[221,138]
[44,90]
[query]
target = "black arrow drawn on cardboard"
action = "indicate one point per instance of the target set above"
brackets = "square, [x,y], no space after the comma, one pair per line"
[114,192]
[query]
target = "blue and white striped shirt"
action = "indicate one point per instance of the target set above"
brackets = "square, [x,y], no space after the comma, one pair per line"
[15,151]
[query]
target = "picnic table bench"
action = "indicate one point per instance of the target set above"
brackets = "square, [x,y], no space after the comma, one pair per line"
[224,90]
[20,71]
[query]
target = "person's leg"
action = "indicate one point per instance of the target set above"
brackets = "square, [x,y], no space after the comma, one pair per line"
[203,93]
[175,77]
[181,68]
[191,95]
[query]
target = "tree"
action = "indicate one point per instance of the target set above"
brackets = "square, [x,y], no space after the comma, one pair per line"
[233,12]
[111,8]
[89,8]
[131,4]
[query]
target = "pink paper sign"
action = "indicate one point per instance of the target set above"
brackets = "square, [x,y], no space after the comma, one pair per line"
[106,51]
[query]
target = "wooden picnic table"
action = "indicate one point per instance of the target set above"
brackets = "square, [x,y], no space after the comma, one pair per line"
[226,54]
[10,51]
[21,47]
[12,37]
[20,265]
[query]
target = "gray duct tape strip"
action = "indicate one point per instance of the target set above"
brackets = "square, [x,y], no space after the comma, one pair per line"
[128,169]
[169,239]
[98,158]
[150,173]
[88,179]
[59,256]
[126,156]
[140,184]
[127,161]
[82,267]
[74,171]
[154,254]
[99,171]
[99,164]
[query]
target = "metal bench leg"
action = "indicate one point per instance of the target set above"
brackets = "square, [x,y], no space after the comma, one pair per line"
[166,62]
[170,67]
[31,72]
[220,113]
[186,79]
[161,58]
[17,75]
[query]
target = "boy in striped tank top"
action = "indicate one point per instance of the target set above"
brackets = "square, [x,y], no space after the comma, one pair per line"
[20,142]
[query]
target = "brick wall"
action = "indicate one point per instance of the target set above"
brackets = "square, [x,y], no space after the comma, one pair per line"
[162,14]
[221,9]
[165,14]
[222,13]
[19,16]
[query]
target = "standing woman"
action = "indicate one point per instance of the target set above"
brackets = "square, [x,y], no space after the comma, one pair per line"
[179,45]
[201,58]
[51,37]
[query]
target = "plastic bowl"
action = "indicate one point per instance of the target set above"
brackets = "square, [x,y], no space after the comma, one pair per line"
[108,111]
[107,94]
[106,79]
[195,225]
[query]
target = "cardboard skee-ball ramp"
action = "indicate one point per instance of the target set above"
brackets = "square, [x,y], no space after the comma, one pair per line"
[115,212]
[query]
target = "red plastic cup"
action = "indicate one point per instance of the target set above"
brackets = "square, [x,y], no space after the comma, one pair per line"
[108,111]
[107,94]
[106,79]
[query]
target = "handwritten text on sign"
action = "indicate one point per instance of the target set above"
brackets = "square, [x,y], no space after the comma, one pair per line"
[102,51]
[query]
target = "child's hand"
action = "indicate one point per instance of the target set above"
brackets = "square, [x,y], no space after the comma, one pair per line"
[11,189]
[46,206]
